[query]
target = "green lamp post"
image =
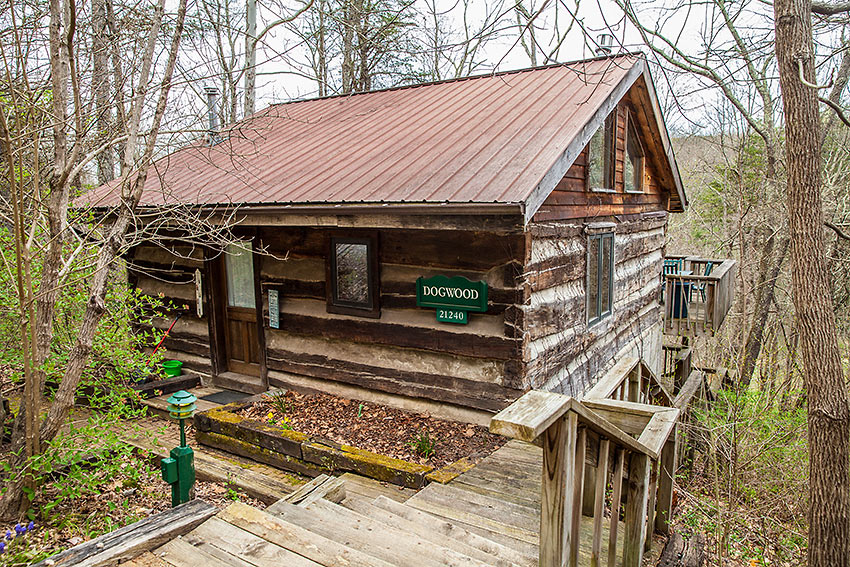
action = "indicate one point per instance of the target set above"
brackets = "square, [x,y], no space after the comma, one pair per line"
[178,470]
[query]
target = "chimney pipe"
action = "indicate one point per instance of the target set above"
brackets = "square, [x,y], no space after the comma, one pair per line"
[605,44]
[212,115]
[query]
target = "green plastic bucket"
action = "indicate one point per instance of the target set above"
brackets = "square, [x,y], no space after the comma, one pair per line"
[172,367]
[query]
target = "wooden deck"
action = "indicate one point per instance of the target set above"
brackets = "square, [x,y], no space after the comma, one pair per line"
[488,516]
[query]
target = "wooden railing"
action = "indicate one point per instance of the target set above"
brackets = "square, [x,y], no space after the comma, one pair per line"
[612,434]
[696,304]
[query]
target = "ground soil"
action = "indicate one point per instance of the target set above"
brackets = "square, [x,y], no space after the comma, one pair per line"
[375,427]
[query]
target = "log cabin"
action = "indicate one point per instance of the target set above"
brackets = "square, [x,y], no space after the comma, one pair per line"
[451,244]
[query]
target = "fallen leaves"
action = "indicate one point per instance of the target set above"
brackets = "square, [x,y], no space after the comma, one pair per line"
[378,428]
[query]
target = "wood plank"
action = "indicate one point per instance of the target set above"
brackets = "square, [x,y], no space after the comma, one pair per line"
[146,559]
[666,474]
[599,502]
[658,430]
[371,488]
[438,537]
[636,501]
[650,504]
[616,503]
[128,542]
[181,553]
[400,545]
[477,510]
[530,415]
[245,545]
[556,490]
[612,379]
[578,492]
[453,531]
[295,538]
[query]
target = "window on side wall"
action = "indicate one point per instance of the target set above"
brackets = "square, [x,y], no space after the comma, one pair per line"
[600,276]
[633,164]
[352,275]
[601,153]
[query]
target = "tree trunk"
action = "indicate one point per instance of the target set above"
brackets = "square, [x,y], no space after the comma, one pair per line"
[828,411]
[250,57]
[101,87]
[769,268]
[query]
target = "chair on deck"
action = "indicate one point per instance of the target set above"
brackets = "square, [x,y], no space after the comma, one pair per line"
[700,286]
[671,266]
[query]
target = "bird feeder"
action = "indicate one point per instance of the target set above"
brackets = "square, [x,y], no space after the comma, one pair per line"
[178,470]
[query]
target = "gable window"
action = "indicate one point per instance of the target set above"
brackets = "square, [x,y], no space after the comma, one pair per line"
[633,164]
[353,276]
[601,153]
[600,276]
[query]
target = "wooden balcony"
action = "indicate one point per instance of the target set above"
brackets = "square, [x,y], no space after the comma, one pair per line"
[696,304]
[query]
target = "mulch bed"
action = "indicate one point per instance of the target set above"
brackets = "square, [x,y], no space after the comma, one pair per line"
[375,427]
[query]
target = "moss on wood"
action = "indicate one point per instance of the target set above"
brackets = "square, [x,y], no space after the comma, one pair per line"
[450,472]
[367,463]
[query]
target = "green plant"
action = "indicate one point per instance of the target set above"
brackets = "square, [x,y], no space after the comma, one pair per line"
[423,444]
[278,402]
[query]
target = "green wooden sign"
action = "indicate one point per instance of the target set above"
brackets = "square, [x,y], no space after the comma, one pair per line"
[453,297]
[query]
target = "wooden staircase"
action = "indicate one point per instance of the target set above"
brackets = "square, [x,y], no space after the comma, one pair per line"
[363,532]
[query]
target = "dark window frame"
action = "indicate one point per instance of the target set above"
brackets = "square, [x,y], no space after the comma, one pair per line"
[632,134]
[372,307]
[609,159]
[598,312]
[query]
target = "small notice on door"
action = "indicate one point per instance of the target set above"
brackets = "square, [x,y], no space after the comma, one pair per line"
[274,309]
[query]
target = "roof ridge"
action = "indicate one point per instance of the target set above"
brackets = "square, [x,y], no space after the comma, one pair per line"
[628,54]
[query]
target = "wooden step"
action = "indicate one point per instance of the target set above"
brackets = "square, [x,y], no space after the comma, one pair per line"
[245,545]
[441,533]
[492,514]
[520,552]
[295,538]
[239,382]
[389,543]
[323,486]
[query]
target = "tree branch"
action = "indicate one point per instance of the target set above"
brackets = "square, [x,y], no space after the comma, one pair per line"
[837,230]
[830,9]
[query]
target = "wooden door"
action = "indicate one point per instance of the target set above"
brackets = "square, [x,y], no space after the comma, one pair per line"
[242,342]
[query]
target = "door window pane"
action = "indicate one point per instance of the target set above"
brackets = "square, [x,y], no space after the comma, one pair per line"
[239,264]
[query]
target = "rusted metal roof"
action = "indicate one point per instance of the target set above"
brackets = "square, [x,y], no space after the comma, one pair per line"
[487,140]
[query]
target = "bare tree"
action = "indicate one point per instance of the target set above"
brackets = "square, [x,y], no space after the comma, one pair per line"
[21,149]
[828,407]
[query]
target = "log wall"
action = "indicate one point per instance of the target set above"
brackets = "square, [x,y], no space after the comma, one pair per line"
[406,351]
[168,274]
[561,352]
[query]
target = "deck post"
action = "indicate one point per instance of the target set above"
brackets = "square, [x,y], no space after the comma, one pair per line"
[559,444]
[599,501]
[636,502]
[616,500]
[578,492]
[666,472]
[650,504]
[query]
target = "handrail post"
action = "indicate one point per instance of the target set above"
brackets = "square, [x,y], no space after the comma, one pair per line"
[636,503]
[559,444]
[665,483]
